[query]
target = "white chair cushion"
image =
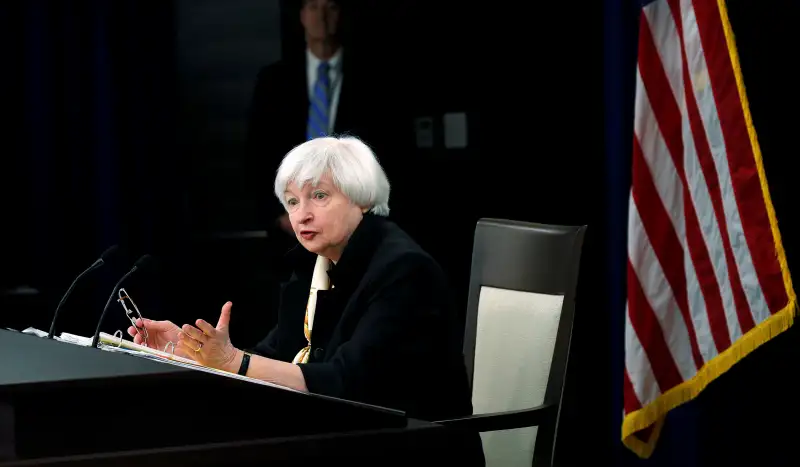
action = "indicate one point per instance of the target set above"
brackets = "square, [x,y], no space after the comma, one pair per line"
[513,351]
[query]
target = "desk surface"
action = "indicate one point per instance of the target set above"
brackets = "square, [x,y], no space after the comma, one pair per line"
[72,405]
[28,359]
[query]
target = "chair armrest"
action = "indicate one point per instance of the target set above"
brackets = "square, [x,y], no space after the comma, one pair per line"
[496,421]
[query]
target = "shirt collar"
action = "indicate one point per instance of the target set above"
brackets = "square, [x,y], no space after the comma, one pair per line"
[335,62]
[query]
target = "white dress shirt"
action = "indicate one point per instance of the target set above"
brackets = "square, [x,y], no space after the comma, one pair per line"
[335,77]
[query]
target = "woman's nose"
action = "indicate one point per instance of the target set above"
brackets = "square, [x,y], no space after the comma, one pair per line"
[305,213]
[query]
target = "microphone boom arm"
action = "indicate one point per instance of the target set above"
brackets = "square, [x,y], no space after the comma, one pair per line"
[91,268]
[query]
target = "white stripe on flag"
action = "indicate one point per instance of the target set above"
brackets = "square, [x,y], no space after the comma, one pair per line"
[667,42]
[641,373]
[703,93]
[658,293]
[663,29]
[670,190]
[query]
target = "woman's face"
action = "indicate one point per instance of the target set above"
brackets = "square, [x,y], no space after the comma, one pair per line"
[322,217]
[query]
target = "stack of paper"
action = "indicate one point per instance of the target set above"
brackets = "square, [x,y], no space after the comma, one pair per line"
[111,343]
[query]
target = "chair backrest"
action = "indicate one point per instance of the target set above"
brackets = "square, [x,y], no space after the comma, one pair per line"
[518,329]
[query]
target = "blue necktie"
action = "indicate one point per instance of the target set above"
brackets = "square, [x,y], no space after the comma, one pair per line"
[320,104]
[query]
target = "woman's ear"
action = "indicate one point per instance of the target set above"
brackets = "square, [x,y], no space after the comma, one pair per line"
[364,209]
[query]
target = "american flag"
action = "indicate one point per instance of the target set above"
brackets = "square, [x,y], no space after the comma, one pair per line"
[707,279]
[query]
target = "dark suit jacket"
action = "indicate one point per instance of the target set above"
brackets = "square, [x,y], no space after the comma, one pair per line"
[386,334]
[279,114]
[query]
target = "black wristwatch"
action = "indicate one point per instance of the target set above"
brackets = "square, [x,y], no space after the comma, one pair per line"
[245,364]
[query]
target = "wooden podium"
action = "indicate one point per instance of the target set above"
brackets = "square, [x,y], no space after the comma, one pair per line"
[64,404]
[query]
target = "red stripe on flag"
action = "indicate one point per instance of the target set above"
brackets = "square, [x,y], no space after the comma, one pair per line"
[645,324]
[664,239]
[668,116]
[744,174]
[662,100]
[632,403]
[708,167]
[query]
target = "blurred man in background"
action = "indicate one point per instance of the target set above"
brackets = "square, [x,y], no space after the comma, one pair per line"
[314,92]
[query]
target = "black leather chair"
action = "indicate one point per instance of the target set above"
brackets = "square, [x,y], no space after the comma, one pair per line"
[517,337]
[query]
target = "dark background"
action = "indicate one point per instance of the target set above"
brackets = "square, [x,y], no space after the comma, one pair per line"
[125,125]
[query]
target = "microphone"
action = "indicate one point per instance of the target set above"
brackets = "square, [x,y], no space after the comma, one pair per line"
[139,264]
[100,261]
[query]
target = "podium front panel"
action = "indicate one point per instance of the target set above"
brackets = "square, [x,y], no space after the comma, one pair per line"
[61,399]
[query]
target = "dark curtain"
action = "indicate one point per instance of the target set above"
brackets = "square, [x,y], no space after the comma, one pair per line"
[619,60]
[90,152]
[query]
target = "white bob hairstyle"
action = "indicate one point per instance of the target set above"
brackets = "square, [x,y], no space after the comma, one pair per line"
[351,164]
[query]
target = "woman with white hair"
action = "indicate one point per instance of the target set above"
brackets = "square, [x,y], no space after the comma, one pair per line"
[366,316]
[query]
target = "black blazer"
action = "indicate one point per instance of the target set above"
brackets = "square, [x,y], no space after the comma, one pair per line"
[386,334]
